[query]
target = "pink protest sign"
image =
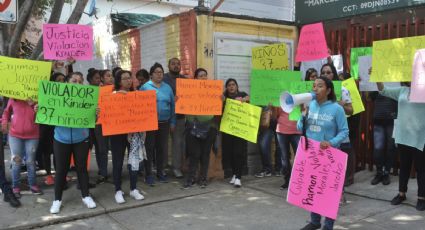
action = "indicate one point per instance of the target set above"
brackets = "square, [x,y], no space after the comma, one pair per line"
[312,44]
[418,78]
[62,41]
[317,178]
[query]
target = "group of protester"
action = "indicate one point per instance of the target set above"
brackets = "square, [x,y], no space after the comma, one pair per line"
[324,119]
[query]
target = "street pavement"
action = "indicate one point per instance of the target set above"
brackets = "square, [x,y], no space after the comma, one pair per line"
[259,204]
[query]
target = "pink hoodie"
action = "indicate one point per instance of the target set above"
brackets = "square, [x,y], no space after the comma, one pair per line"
[23,122]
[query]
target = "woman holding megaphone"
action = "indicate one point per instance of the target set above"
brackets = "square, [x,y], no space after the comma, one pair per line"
[325,122]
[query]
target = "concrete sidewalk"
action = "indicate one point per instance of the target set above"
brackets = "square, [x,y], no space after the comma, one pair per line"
[259,204]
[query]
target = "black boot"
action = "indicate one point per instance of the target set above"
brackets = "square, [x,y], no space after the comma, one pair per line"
[11,199]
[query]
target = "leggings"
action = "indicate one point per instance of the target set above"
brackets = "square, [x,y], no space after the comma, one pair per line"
[407,156]
[63,153]
[119,144]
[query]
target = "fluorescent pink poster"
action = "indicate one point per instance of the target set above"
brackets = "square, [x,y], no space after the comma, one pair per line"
[62,41]
[418,78]
[317,178]
[312,44]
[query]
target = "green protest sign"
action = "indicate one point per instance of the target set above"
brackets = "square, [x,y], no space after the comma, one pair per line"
[268,85]
[354,59]
[68,105]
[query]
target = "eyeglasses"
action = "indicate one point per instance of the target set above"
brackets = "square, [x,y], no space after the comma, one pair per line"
[328,72]
[158,72]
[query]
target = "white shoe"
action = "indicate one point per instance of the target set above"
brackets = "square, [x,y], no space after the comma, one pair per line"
[89,202]
[232,181]
[136,195]
[238,183]
[119,197]
[56,207]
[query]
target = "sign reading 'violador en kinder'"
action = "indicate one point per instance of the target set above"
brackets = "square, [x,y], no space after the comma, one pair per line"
[67,105]
[19,77]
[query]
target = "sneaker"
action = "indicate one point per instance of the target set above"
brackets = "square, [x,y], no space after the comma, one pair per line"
[11,199]
[136,195]
[232,181]
[49,180]
[101,180]
[311,226]
[284,185]
[238,183]
[203,184]
[150,180]
[89,202]
[178,173]
[187,185]
[278,173]
[162,178]
[56,206]
[377,179]
[262,174]
[17,192]
[119,197]
[398,199]
[36,190]
[420,206]
[386,180]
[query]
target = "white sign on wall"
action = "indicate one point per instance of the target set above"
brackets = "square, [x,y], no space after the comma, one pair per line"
[9,11]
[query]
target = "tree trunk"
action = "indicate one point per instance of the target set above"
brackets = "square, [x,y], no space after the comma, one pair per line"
[24,15]
[54,18]
[77,12]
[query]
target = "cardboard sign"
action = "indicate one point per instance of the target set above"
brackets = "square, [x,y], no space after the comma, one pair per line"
[417,93]
[104,91]
[365,63]
[312,44]
[356,99]
[241,120]
[268,85]
[354,59]
[62,41]
[199,97]
[317,178]
[271,57]
[392,60]
[67,105]
[128,113]
[19,77]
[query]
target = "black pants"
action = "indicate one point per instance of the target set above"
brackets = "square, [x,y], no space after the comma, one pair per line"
[45,147]
[101,149]
[4,184]
[63,153]
[234,152]
[156,144]
[198,151]
[119,144]
[407,155]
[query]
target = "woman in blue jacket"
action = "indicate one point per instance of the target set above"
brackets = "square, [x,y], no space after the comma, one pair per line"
[325,122]
[67,142]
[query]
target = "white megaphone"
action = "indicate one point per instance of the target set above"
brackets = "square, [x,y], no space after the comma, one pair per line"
[289,101]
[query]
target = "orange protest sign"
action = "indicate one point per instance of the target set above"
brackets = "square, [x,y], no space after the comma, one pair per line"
[199,97]
[128,113]
[104,90]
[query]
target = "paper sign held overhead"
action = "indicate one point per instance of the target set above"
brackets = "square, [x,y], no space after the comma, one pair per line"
[63,41]
[417,93]
[271,57]
[312,44]
[354,59]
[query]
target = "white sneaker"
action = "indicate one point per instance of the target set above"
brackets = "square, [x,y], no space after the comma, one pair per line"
[119,197]
[56,207]
[136,195]
[238,183]
[89,202]
[232,181]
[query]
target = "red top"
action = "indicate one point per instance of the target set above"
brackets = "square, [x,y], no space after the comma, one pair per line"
[23,119]
[284,125]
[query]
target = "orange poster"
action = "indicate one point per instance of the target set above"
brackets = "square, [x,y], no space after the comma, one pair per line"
[128,113]
[104,90]
[199,97]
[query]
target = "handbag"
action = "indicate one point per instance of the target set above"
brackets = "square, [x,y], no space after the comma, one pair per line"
[265,119]
[198,129]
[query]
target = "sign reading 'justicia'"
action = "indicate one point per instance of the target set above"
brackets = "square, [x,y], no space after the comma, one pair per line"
[308,11]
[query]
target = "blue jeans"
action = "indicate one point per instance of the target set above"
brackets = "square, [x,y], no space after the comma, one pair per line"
[20,148]
[284,141]
[384,147]
[264,141]
[316,219]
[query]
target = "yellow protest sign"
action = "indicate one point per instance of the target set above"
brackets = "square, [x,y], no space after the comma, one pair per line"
[271,57]
[356,99]
[19,77]
[241,120]
[392,60]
